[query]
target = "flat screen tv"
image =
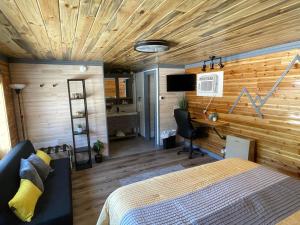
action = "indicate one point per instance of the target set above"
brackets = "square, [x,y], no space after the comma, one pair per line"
[181,82]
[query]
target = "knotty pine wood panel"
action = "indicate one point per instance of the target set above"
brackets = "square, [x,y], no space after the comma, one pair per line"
[107,30]
[170,101]
[8,95]
[277,135]
[46,109]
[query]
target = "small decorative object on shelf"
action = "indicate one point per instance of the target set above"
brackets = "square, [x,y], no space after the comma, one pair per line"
[82,153]
[79,128]
[98,148]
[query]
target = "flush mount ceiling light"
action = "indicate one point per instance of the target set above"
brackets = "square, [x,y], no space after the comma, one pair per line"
[151,46]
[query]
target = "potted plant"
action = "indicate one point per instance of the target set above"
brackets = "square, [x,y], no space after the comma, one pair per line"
[79,128]
[98,148]
[183,103]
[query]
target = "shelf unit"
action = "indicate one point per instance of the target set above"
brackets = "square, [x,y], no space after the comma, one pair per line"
[87,163]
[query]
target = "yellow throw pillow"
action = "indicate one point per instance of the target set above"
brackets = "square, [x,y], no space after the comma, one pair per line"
[44,156]
[24,201]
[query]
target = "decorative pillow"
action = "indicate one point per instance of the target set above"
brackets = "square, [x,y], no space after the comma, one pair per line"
[27,171]
[44,156]
[41,167]
[24,202]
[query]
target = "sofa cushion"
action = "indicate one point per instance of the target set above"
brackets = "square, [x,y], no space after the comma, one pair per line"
[24,202]
[27,171]
[41,167]
[9,171]
[44,156]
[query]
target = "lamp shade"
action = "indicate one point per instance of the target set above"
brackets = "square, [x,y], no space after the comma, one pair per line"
[17,86]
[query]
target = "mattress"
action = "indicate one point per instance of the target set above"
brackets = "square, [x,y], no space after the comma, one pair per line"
[231,191]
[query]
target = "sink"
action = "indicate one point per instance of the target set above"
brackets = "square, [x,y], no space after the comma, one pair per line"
[121,114]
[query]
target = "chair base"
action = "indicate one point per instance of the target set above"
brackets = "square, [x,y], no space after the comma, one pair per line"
[191,152]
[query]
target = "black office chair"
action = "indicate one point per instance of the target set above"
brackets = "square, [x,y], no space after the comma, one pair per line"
[186,130]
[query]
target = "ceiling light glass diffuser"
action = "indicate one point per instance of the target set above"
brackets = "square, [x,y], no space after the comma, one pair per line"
[151,46]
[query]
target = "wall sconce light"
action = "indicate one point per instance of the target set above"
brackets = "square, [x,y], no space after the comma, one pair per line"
[42,85]
[54,85]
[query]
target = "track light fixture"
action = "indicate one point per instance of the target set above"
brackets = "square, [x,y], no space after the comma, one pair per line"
[204,67]
[212,60]
[212,64]
[221,65]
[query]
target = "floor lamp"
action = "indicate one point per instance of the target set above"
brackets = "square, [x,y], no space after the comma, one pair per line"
[18,88]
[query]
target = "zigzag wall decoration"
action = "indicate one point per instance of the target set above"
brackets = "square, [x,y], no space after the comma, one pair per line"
[263,100]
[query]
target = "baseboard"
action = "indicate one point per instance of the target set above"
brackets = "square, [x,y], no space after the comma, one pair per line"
[209,153]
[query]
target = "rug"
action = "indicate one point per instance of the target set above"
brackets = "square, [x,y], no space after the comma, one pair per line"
[150,174]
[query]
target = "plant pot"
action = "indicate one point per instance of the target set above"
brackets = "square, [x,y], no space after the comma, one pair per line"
[79,129]
[98,158]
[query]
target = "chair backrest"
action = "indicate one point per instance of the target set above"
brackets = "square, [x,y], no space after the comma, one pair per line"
[184,125]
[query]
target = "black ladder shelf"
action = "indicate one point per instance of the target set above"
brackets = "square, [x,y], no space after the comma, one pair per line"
[86,163]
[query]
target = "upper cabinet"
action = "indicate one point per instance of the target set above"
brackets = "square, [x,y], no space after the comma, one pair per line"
[118,89]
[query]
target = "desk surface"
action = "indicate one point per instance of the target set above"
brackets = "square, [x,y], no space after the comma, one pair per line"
[209,123]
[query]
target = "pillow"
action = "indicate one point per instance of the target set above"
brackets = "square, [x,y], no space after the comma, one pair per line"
[27,171]
[24,202]
[44,156]
[41,167]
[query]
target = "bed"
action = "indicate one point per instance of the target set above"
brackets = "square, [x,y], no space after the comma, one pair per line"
[231,191]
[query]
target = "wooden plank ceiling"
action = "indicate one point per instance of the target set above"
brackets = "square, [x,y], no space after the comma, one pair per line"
[107,29]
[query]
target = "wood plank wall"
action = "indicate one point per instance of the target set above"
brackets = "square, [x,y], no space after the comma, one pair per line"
[46,109]
[170,99]
[8,95]
[278,134]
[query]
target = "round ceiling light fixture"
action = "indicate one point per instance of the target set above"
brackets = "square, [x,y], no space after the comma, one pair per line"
[152,46]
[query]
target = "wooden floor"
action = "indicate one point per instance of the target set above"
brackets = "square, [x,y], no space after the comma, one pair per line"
[130,146]
[92,186]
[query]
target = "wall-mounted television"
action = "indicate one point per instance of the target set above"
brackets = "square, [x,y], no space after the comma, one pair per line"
[181,82]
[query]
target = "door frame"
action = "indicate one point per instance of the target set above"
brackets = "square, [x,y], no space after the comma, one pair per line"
[147,73]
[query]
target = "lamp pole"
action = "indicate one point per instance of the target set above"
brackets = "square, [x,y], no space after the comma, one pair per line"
[18,88]
[18,92]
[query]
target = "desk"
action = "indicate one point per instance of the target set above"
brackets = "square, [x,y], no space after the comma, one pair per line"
[212,124]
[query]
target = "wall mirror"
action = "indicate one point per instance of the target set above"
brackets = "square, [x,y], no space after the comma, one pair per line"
[125,86]
[110,88]
[118,89]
